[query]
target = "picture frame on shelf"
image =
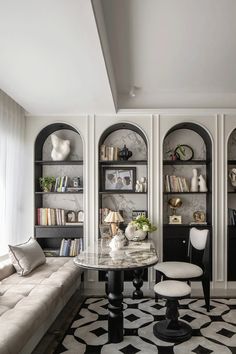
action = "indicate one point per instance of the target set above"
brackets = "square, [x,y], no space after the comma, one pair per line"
[80,216]
[136,213]
[119,179]
[71,216]
[105,230]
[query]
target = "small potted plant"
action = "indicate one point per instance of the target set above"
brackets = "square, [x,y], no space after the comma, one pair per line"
[46,183]
[137,229]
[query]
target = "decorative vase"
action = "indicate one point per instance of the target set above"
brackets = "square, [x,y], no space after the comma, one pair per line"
[202,184]
[125,153]
[61,148]
[134,234]
[194,181]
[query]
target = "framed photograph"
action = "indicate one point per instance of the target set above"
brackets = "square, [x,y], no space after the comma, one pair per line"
[136,213]
[105,230]
[71,216]
[119,179]
[80,216]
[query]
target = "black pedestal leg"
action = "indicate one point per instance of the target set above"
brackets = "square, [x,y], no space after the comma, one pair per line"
[138,283]
[206,291]
[106,283]
[115,306]
[158,279]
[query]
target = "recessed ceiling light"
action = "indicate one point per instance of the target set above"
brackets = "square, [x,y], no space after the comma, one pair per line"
[133,91]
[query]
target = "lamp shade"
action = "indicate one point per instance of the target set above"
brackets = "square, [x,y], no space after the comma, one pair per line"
[114,217]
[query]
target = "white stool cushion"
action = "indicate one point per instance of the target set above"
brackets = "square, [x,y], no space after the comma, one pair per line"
[172,288]
[179,270]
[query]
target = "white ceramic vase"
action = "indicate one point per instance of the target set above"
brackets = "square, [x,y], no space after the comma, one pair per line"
[134,234]
[202,184]
[194,181]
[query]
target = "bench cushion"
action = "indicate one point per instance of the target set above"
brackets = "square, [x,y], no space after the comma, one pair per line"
[179,270]
[172,288]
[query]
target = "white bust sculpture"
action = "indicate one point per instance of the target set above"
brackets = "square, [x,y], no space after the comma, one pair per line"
[61,148]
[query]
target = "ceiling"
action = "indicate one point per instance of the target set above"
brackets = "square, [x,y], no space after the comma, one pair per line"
[77,56]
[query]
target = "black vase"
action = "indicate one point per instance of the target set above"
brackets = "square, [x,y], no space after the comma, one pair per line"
[125,153]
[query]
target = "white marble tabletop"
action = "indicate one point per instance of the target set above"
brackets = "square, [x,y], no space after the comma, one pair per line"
[134,255]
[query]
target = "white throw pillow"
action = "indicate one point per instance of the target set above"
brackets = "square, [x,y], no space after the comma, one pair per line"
[26,256]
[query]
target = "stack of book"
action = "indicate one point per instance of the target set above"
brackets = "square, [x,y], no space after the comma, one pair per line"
[175,184]
[50,216]
[103,212]
[71,247]
[231,216]
[109,153]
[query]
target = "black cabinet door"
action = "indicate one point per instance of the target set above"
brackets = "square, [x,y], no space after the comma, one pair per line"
[231,253]
[175,243]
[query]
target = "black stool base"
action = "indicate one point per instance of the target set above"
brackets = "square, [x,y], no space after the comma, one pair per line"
[181,334]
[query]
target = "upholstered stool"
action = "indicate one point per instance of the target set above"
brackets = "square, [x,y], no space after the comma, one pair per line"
[171,329]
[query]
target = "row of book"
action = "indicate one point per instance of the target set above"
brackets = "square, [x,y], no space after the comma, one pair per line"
[103,212]
[71,247]
[175,184]
[231,216]
[50,216]
[61,184]
[109,153]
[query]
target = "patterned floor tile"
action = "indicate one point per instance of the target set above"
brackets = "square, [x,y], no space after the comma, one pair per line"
[213,332]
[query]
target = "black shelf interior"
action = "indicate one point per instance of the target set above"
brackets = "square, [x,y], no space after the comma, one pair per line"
[121,192]
[123,162]
[191,162]
[78,192]
[187,225]
[57,226]
[231,162]
[56,163]
[186,192]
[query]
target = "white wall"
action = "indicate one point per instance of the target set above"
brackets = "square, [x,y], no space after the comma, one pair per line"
[154,125]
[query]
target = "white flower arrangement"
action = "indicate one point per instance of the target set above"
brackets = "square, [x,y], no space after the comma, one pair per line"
[143,223]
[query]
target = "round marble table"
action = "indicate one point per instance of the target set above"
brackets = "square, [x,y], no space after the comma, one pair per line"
[135,256]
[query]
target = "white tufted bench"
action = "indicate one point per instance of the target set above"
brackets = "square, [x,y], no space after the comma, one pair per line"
[171,329]
[30,304]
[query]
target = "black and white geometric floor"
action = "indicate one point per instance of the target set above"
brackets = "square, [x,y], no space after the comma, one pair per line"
[213,332]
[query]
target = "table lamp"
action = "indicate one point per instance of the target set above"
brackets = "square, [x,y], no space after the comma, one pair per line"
[114,218]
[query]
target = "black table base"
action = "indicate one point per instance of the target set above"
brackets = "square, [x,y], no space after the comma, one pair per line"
[115,306]
[138,283]
[171,329]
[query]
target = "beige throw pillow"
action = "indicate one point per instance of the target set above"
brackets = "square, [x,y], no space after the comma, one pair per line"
[26,256]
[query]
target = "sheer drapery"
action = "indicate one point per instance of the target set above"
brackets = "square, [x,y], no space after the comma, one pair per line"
[12,128]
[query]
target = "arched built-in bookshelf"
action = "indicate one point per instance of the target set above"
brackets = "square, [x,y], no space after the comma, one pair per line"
[175,236]
[57,212]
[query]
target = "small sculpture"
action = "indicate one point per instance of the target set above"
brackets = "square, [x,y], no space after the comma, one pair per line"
[232,177]
[61,148]
[118,241]
[125,153]
[198,183]
[202,184]
[175,203]
[194,181]
[141,185]
[138,187]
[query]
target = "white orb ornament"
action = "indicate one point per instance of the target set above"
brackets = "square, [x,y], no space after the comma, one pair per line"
[61,148]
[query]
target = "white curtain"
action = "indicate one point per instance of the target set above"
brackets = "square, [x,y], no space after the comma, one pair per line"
[12,188]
